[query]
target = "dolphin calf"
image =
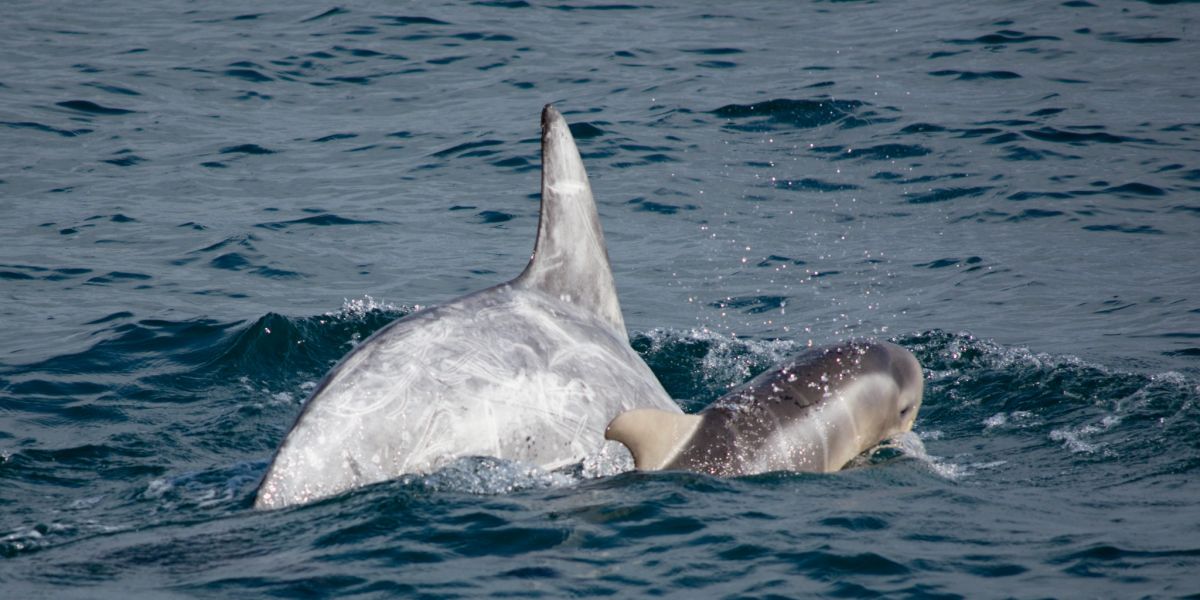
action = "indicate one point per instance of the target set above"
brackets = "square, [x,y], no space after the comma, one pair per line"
[530,370]
[813,413]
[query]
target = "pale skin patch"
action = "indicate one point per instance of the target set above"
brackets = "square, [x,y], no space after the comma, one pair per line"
[544,357]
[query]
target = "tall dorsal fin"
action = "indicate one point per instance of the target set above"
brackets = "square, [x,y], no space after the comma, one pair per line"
[570,261]
[654,437]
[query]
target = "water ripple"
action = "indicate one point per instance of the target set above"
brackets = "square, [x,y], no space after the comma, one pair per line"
[46,128]
[946,194]
[92,108]
[786,113]
[798,173]
[1004,36]
[974,75]
[319,220]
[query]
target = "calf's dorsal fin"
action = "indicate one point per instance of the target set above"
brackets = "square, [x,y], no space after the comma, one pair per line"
[570,260]
[654,437]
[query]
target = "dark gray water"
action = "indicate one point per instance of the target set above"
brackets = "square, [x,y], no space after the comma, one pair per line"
[206,204]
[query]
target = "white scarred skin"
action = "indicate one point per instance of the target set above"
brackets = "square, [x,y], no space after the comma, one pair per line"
[531,370]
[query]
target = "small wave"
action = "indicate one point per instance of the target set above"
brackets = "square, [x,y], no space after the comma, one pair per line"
[236,261]
[244,241]
[786,113]
[947,194]
[922,128]
[1016,418]
[45,128]
[1021,153]
[128,160]
[27,539]
[1136,189]
[334,137]
[1138,39]
[469,149]
[662,208]
[246,149]
[942,263]
[494,216]
[717,64]
[1023,196]
[333,12]
[1046,112]
[404,21]
[283,349]
[115,276]
[878,152]
[503,3]
[975,75]
[722,362]
[358,308]
[907,444]
[251,75]
[319,220]
[715,51]
[1034,213]
[1075,439]
[1124,228]
[1058,407]
[598,7]
[752,305]
[217,487]
[1004,36]
[809,184]
[32,272]
[92,108]
[1075,138]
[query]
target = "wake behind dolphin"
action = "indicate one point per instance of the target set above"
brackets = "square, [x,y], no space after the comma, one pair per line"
[530,370]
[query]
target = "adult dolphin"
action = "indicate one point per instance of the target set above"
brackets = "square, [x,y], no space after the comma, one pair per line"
[813,413]
[530,370]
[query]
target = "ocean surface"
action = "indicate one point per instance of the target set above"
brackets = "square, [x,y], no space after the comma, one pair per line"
[203,205]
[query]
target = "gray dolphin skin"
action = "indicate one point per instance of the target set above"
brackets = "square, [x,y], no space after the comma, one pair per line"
[813,413]
[530,370]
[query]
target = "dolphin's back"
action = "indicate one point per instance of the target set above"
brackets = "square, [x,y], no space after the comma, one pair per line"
[504,373]
[531,370]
